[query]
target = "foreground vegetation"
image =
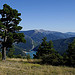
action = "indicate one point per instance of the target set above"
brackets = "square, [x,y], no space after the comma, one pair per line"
[49,55]
[24,67]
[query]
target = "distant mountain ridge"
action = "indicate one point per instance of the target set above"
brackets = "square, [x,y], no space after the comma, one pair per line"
[71,33]
[37,35]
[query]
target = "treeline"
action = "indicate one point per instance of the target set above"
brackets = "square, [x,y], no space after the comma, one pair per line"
[49,55]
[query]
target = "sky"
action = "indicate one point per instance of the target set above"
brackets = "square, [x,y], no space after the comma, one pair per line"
[53,15]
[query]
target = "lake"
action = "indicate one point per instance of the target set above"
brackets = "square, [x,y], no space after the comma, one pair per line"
[31,53]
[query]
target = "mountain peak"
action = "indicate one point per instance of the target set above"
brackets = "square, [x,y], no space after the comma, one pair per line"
[45,31]
[40,30]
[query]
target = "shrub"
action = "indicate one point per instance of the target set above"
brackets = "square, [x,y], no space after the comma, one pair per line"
[18,56]
[28,56]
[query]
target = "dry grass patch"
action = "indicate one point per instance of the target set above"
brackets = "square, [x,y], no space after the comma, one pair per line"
[24,60]
[20,67]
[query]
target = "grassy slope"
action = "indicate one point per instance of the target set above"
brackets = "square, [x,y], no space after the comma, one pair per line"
[20,67]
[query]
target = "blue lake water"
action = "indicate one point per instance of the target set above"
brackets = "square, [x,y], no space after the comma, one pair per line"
[31,53]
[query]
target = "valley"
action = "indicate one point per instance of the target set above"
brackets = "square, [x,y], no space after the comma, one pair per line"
[34,38]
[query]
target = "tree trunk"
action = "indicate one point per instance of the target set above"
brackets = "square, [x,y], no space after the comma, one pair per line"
[4,48]
[4,53]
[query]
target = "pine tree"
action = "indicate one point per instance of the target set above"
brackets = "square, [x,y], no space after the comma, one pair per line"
[45,48]
[71,54]
[9,20]
[47,53]
[42,49]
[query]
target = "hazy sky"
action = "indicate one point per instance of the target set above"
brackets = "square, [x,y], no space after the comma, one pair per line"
[54,15]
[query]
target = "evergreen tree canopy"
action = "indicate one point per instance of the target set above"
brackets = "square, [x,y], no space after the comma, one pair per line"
[71,54]
[9,20]
[47,53]
[45,48]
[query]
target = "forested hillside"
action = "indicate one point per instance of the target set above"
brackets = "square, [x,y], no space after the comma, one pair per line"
[60,45]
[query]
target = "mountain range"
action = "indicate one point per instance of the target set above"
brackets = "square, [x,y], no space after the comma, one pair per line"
[34,38]
[37,35]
